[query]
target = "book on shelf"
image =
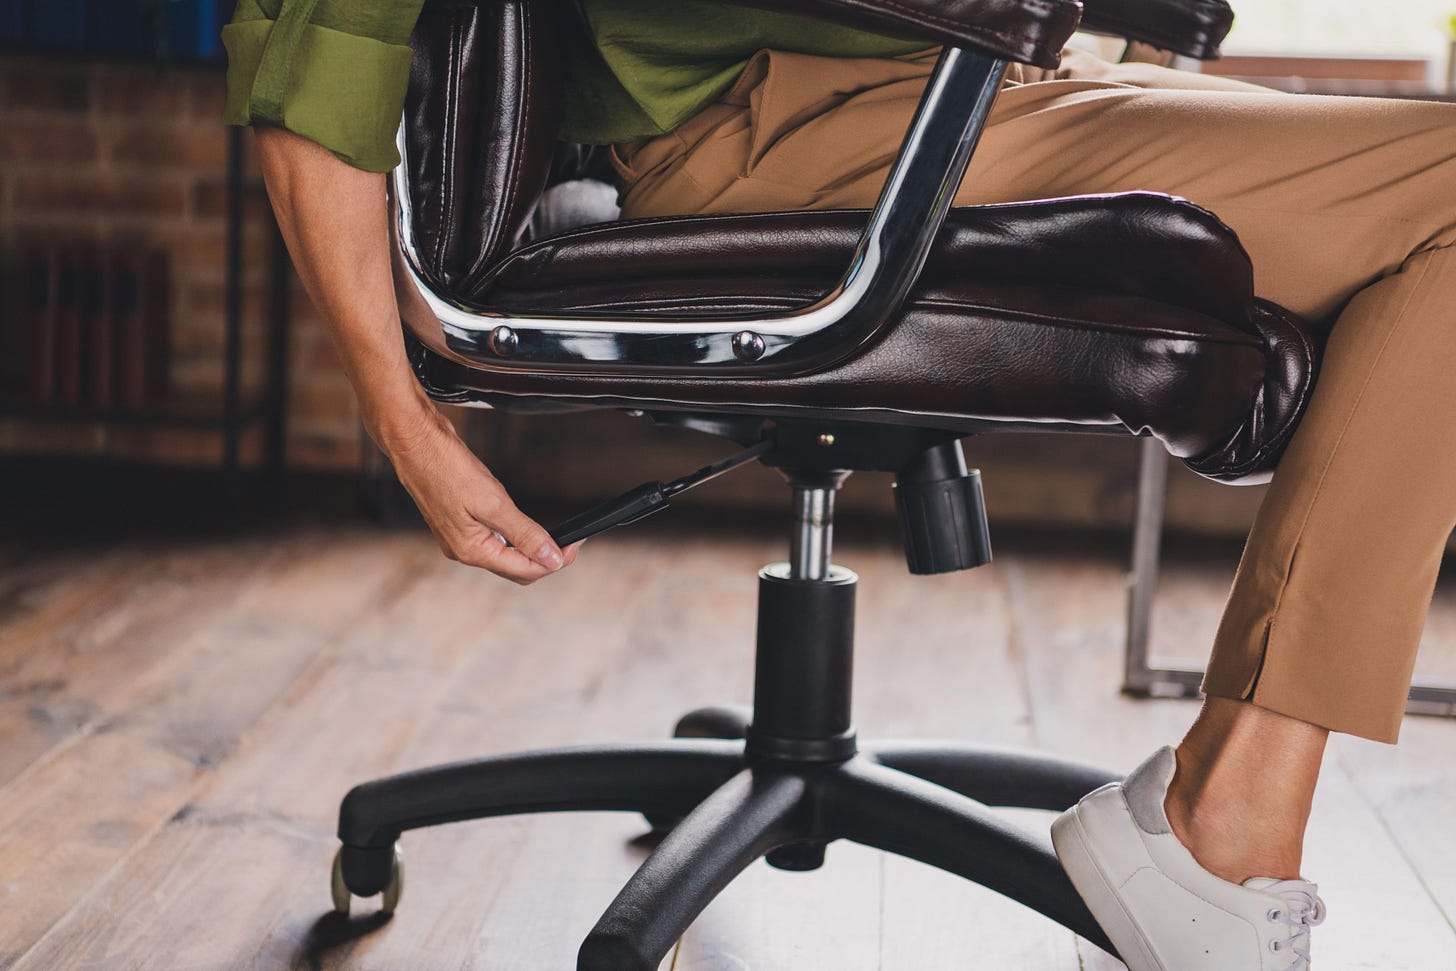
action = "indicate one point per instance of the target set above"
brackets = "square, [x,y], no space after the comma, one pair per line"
[90,328]
[69,339]
[98,326]
[56,24]
[12,21]
[14,327]
[43,270]
[142,301]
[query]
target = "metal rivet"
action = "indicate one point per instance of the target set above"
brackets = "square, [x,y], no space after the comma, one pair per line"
[504,341]
[747,346]
[826,439]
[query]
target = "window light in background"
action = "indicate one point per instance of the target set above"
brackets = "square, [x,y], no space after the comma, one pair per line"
[1350,27]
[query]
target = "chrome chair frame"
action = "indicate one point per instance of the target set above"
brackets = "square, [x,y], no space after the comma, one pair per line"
[886,262]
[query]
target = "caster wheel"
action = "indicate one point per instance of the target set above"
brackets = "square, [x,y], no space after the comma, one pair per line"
[800,857]
[661,824]
[728,722]
[389,898]
[720,721]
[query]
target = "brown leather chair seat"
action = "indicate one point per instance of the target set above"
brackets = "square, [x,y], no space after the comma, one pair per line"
[1133,311]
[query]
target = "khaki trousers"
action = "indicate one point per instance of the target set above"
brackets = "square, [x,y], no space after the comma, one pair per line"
[1347,207]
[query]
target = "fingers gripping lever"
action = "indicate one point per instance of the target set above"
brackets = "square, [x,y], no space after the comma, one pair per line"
[647,499]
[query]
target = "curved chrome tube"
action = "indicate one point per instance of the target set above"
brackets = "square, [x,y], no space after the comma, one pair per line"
[890,255]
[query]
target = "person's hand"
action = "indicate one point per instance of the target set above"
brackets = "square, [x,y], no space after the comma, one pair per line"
[473,518]
[335,219]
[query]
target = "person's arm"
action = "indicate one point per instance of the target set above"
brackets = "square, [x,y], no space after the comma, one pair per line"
[335,221]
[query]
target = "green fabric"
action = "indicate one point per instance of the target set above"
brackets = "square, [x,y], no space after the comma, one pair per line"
[335,71]
[659,62]
[274,64]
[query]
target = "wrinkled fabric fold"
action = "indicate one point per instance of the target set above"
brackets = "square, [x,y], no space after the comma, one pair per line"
[341,90]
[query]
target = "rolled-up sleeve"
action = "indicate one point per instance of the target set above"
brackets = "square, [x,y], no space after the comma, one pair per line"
[333,71]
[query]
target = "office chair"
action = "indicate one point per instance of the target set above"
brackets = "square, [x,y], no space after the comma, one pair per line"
[818,343]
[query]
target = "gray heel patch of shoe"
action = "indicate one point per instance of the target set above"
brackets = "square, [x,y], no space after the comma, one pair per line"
[1146,788]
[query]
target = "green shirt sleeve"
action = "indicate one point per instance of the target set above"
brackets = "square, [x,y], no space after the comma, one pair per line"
[333,71]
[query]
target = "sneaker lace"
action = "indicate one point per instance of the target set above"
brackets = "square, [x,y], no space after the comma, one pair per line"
[1302,910]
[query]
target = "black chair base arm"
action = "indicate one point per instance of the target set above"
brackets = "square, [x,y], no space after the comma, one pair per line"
[780,782]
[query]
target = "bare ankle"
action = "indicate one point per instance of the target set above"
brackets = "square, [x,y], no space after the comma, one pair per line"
[1243,789]
[1227,842]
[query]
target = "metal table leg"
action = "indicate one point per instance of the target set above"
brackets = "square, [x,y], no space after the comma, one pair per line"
[1141,676]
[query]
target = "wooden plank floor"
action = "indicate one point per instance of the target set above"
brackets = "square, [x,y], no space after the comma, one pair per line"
[178,720]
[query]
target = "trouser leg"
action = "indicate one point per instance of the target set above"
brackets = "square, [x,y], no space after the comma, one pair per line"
[1346,208]
[1332,593]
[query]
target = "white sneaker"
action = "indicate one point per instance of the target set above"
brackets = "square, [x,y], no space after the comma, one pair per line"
[1164,911]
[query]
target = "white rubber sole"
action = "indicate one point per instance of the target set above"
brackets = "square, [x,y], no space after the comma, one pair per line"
[1096,887]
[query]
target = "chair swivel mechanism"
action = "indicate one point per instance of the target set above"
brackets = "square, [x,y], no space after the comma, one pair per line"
[818,343]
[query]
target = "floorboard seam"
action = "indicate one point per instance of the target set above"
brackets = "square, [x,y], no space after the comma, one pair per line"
[205,774]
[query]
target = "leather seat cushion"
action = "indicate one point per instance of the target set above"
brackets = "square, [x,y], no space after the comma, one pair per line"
[1135,243]
[965,358]
[1131,311]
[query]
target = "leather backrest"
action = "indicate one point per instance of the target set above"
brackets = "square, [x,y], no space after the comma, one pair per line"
[481,116]
[486,96]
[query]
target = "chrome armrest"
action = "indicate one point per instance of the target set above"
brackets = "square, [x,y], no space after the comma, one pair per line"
[887,261]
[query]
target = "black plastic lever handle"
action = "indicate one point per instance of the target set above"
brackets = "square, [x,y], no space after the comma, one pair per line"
[647,499]
[642,501]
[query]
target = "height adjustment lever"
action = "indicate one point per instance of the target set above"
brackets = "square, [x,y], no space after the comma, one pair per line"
[647,499]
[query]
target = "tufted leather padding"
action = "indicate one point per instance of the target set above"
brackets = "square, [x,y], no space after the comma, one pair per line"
[484,102]
[481,116]
[1132,311]
[1291,355]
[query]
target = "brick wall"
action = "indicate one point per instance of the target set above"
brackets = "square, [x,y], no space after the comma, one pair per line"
[136,154]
